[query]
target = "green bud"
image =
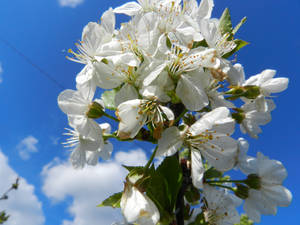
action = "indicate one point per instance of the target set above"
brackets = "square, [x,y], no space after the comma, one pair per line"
[242,191]
[253,181]
[104,60]
[95,111]
[252,92]
[235,91]
[239,117]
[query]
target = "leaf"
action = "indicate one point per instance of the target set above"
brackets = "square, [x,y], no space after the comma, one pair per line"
[212,173]
[171,170]
[192,195]
[237,27]
[239,44]
[225,24]
[108,98]
[113,201]
[245,220]
[156,190]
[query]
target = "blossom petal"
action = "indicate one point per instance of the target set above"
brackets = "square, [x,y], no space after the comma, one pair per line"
[170,142]
[197,169]
[129,8]
[72,102]
[191,93]
[130,119]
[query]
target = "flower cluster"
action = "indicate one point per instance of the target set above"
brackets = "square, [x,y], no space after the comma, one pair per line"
[167,75]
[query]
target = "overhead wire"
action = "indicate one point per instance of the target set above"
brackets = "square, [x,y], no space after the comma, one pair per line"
[42,71]
[30,62]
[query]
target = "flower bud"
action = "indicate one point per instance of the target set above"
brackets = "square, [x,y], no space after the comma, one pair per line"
[95,110]
[253,181]
[242,191]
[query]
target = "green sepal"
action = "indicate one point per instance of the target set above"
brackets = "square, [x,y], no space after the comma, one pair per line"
[95,111]
[108,98]
[237,27]
[238,117]
[212,173]
[239,44]
[112,201]
[225,25]
[197,44]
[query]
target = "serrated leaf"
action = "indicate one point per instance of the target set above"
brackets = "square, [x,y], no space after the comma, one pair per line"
[225,25]
[237,27]
[108,98]
[113,201]
[239,44]
[156,190]
[212,173]
[171,170]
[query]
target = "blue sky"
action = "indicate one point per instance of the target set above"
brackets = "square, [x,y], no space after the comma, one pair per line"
[31,121]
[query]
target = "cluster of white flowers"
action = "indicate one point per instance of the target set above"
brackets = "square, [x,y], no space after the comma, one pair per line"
[167,75]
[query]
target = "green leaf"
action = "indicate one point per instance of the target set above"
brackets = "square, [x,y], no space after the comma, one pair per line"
[171,170]
[108,98]
[156,191]
[245,221]
[113,201]
[239,44]
[3,217]
[225,24]
[237,27]
[192,195]
[212,173]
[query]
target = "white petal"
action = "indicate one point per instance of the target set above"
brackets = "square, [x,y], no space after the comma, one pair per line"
[127,92]
[207,121]
[129,8]
[130,119]
[170,142]
[72,102]
[197,169]
[78,158]
[265,76]
[278,194]
[275,85]
[154,73]
[271,171]
[191,93]
[108,21]
[107,77]
[236,75]
[220,152]
[138,208]
[205,9]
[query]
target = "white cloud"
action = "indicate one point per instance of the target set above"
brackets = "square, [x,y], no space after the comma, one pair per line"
[27,146]
[70,3]
[89,186]
[22,204]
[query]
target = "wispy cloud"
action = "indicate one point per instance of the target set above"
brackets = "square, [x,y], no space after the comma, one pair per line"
[22,205]
[89,186]
[27,146]
[70,3]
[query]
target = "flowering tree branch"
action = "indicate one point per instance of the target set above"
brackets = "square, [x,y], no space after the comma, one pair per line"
[167,75]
